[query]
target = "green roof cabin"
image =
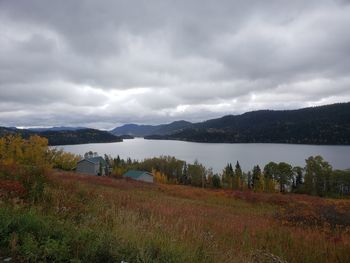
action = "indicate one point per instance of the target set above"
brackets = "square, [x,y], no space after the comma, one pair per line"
[139,176]
[93,166]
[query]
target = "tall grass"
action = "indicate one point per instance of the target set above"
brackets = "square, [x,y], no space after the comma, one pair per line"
[90,219]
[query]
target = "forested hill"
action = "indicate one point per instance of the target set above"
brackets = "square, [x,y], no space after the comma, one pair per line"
[328,124]
[145,130]
[64,137]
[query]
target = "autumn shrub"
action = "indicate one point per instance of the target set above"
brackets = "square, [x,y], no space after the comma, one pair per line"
[31,178]
[334,216]
[63,160]
[315,213]
[25,162]
[30,237]
[34,180]
[118,172]
[11,189]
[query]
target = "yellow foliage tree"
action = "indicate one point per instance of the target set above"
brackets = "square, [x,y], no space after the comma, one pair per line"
[260,186]
[33,152]
[25,161]
[159,177]
[270,185]
[63,160]
[118,172]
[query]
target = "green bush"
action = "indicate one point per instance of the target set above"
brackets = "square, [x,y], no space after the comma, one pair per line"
[30,237]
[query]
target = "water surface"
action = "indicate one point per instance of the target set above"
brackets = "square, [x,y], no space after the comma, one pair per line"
[217,155]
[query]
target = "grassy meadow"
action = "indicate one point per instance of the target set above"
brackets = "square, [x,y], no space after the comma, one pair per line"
[99,219]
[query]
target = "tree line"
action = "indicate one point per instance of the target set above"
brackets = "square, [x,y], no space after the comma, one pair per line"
[317,177]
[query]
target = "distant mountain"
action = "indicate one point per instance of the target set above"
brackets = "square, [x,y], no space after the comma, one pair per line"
[134,130]
[64,137]
[328,124]
[61,128]
[13,130]
[79,137]
[145,130]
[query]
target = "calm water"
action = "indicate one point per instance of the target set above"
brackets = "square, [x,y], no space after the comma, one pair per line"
[217,155]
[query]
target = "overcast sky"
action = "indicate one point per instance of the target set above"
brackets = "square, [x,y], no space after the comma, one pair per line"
[104,63]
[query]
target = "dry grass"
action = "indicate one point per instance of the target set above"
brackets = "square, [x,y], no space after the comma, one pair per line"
[226,226]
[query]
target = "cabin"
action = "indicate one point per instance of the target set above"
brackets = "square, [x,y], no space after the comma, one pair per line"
[93,166]
[139,176]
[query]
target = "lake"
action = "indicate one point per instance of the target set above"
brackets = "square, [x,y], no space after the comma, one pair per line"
[217,155]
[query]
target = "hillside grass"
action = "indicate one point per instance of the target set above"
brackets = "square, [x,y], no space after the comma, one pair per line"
[97,219]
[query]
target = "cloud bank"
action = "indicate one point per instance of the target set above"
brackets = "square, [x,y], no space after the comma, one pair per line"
[104,63]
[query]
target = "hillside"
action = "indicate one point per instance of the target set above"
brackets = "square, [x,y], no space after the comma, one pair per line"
[317,125]
[99,219]
[60,128]
[79,137]
[64,137]
[145,130]
[12,130]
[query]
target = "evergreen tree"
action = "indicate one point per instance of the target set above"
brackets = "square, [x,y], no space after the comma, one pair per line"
[238,177]
[256,180]
[117,161]
[297,178]
[184,175]
[227,176]
[250,180]
[216,181]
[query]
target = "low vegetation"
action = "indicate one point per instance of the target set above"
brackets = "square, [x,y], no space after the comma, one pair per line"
[49,215]
[316,178]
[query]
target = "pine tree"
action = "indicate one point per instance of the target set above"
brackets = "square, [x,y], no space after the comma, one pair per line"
[238,177]
[216,182]
[297,178]
[227,176]
[250,180]
[257,179]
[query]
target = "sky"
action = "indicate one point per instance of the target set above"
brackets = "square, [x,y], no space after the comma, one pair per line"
[104,63]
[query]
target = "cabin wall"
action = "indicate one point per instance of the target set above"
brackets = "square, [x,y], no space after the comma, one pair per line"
[86,167]
[146,178]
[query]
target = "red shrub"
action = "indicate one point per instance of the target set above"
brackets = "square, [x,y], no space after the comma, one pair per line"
[10,189]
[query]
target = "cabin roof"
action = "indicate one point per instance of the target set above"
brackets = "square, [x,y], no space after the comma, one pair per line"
[94,160]
[135,174]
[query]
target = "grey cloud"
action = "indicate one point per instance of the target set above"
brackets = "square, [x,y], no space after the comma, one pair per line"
[102,63]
